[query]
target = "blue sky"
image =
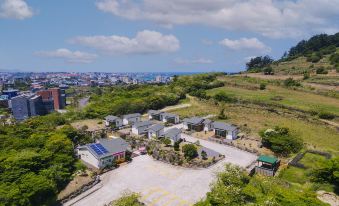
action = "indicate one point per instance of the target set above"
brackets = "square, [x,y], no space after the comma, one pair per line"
[154,35]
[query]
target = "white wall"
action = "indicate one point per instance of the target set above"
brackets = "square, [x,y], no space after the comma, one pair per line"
[131,120]
[156,134]
[87,157]
[185,126]
[207,127]
[118,122]
[139,130]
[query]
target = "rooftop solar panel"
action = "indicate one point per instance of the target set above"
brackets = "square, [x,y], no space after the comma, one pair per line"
[99,149]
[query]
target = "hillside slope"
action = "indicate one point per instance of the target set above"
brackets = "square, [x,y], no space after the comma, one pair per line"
[318,55]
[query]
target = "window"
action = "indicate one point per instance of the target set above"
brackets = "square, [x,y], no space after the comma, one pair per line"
[220,133]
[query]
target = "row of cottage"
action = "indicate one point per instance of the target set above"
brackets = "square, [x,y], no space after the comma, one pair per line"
[150,129]
[104,151]
[130,119]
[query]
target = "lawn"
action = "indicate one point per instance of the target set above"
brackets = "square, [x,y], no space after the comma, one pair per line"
[289,98]
[313,160]
[295,175]
[302,176]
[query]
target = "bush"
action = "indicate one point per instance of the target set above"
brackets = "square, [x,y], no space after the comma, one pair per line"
[314,58]
[177,146]
[166,141]
[128,199]
[223,97]
[268,70]
[321,70]
[290,82]
[306,75]
[262,86]
[328,173]
[203,155]
[281,141]
[325,115]
[190,151]
[222,114]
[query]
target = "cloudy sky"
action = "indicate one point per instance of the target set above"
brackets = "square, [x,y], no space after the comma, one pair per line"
[155,35]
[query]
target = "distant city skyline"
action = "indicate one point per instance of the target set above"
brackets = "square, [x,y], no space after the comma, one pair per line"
[154,35]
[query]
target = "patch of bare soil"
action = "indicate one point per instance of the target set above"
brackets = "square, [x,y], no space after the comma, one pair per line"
[203,135]
[322,86]
[74,185]
[272,77]
[328,197]
[91,124]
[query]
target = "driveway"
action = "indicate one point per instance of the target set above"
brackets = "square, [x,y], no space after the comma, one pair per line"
[161,184]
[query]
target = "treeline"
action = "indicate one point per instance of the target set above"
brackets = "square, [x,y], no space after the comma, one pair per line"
[36,160]
[319,43]
[260,64]
[140,98]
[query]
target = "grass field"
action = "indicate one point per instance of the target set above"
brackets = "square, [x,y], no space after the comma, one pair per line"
[252,119]
[303,176]
[299,65]
[290,98]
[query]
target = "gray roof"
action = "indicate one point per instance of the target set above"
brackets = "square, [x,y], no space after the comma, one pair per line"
[173,133]
[111,118]
[207,121]
[169,115]
[154,112]
[194,120]
[111,145]
[224,126]
[143,123]
[156,127]
[127,116]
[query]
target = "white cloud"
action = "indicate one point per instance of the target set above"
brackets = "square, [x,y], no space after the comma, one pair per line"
[247,59]
[192,61]
[69,56]
[145,42]
[272,18]
[245,44]
[15,9]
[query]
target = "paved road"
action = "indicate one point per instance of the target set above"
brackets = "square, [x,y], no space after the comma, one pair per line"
[161,184]
[232,154]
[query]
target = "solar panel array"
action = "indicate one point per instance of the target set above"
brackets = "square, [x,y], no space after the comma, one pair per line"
[99,149]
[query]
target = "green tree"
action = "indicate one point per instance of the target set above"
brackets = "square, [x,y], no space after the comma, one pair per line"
[190,151]
[167,141]
[328,173]
[235,188]
[281,141]
[203,155]
[176,145]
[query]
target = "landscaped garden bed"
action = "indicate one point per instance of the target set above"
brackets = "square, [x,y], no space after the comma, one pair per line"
[183,154]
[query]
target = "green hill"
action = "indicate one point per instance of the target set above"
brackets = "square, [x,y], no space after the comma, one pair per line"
[319,54]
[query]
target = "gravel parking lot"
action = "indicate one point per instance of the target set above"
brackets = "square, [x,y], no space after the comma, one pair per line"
[161,184]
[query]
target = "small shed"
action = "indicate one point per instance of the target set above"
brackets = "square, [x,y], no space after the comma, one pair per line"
[267,165]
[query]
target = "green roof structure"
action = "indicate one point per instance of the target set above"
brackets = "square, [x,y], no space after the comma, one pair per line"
[267,159]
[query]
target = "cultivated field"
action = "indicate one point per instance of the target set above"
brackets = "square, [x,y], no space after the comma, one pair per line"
[282,96]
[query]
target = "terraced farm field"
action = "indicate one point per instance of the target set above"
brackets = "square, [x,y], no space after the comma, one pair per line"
[283,96]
